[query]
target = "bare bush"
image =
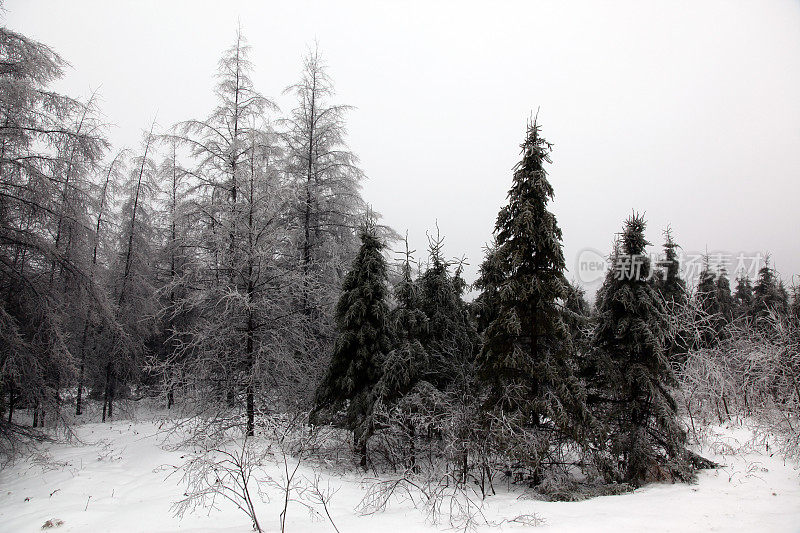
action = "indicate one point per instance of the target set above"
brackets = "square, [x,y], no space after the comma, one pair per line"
[750,374]
[229,465]
[220,473]
[439,497]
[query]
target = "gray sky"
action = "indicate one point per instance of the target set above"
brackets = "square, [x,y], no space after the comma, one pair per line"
[687,111]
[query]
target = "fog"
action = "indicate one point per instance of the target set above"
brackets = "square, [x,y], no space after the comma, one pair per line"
[686,112]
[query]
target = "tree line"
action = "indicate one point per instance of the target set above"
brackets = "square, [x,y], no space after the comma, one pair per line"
[529,379]
[230,265]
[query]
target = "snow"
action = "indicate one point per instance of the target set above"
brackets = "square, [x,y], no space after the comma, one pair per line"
[122,480]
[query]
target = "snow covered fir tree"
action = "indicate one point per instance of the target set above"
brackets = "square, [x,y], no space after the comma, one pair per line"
[221,300]
[635,376]
[362,340]
[527,351]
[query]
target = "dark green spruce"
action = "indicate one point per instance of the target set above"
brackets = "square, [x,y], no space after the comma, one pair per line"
[451,337]
[525,359]
[646,441]
[362,342]
[673,291]
[407,362]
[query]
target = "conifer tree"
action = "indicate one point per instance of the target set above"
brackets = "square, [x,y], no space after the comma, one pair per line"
[87,349]
[767,294]
[526,350]
[578,309]
[706,300]
[724,297]
[243,334]
[362,341]
[794,308]
[706,293]
[670,284]
[631,331]
[743,296]
[50,146]
[673,291]
[451,335]
[407,362]
[490,276]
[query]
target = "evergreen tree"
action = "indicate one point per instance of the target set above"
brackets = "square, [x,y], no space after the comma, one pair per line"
[743,296]
[407,362]
[577,317]
[673,291]
[670,284]
[525,358]
[490,276]
[725,303]
[577,305]
[767,295]
[706,292]
[362,341]
[451,335]
[641,415]
[794,308]
[706,300]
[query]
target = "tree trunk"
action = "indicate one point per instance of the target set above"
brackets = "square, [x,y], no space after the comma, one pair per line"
[78,397]
[108,397]
[250,411]
[10,401]
[412,448]
[111,391]
[251,368]
[362,452]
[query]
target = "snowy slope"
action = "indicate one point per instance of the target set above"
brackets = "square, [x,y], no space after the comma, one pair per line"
[119,482]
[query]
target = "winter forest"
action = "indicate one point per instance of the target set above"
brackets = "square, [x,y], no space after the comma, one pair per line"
[220,308]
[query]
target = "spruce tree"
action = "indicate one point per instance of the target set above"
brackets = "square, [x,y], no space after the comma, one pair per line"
[725,303]
[578,312]
[525,358]
[362,341]
[743,296]
[490,276]
[794,308]
[767,294]
[670,284]
[673,291]
[407,362]
[706,301]
[451,335]
[706,293]
[640,413]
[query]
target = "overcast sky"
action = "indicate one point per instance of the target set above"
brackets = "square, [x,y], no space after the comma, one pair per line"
[686,111]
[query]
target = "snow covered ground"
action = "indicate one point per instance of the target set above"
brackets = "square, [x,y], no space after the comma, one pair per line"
[118,481]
